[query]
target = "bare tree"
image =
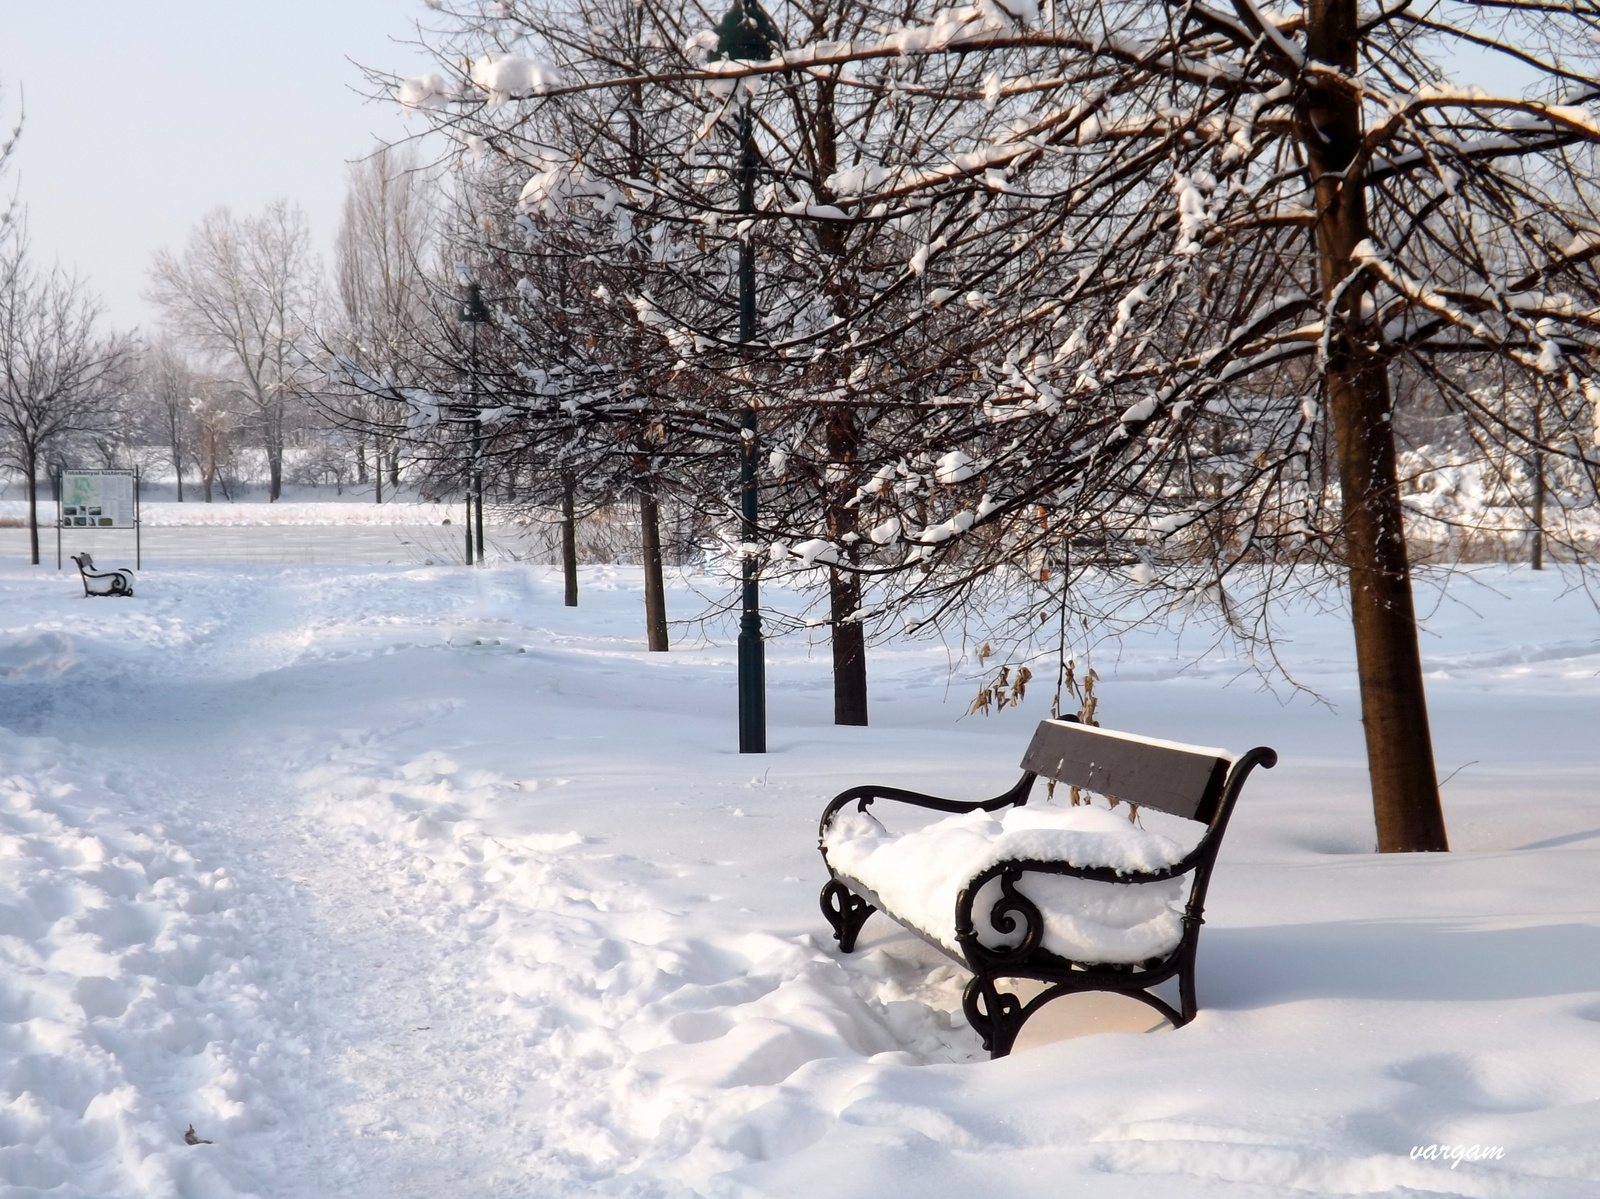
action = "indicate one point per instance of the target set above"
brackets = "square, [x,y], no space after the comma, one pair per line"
[119,429]
[245,292]
[212,411]
[170,385]
[381,267]
[55,366]
[8,145]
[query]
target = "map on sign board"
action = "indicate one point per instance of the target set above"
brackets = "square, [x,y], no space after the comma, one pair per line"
[97,499]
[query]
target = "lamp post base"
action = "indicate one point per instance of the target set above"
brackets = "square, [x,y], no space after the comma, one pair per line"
[752,685]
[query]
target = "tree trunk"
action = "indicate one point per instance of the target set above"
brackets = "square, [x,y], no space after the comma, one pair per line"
[655,592]
[844,587]
[206,460]
[274,452]
[848,638]
[274,471]
[849,648]
[177,467]
[1538,490]
[32,463]
[1405,790]
[569,542]
[1538,511]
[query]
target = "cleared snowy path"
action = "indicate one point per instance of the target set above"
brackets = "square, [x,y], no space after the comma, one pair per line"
[410,882]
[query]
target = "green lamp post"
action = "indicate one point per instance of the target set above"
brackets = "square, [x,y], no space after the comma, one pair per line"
[475,312]
[747,34]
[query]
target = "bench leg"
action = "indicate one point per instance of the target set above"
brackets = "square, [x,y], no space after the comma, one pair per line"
[846,912]
[1187,1002]
[996,1016]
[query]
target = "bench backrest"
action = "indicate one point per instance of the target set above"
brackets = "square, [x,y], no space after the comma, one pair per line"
[1185,780]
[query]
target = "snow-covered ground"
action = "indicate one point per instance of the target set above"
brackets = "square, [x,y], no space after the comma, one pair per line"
[408,881]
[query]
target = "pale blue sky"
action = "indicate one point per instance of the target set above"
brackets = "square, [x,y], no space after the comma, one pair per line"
[142,115]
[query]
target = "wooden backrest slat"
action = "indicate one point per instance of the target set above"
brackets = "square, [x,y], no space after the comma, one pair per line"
[1185,780]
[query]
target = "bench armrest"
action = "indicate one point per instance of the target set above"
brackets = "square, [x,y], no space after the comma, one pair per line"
[1013,904]
[1205,850]
[864,795]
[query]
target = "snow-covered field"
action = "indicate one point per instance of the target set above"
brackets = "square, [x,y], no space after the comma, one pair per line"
[353,533]
[292,531]
[158,514]
[408,881]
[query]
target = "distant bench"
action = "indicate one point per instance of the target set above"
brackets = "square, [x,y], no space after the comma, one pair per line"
[103,582]
[1076,897]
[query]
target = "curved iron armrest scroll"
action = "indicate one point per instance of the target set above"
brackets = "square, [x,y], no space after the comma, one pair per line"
[865,794]
[1013,903]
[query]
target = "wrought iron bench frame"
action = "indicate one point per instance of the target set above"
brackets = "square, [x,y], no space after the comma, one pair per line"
[119,580]
[998,1016]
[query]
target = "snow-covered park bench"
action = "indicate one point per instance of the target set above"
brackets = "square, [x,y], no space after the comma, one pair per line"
[103,582]
[1077,898]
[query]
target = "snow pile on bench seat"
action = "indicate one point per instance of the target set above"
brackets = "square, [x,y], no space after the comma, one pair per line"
[918,875]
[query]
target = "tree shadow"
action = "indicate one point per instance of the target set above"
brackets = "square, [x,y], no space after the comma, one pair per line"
[1246,968]
[1567,839]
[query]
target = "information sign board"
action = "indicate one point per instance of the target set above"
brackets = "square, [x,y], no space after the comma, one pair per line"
[97,499]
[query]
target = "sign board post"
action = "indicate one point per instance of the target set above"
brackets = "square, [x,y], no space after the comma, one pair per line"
[99,499]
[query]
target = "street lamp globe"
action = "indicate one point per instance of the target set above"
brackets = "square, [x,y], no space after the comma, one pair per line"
[473,310]
[746,33]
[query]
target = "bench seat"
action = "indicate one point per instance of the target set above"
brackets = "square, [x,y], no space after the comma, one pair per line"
[917,876]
